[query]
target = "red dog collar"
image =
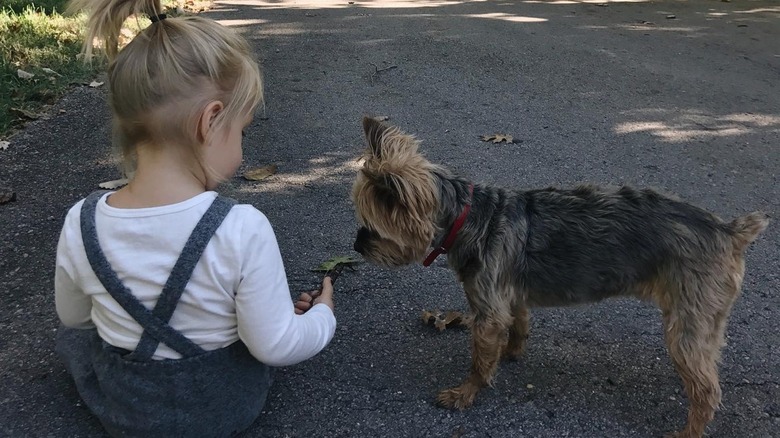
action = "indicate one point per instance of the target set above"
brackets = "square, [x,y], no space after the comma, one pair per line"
[453,232]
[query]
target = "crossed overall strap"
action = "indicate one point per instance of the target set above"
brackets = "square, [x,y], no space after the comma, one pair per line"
[154,322]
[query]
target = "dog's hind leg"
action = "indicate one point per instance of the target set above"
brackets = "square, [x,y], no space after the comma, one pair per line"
[488,331]
[518,332]
[694,325]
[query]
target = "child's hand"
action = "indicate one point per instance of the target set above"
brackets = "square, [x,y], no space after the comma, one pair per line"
[305,301]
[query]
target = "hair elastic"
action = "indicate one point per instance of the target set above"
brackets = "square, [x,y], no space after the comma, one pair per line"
[156,18]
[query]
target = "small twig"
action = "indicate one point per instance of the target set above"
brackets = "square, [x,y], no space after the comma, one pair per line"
[334,275]
[378,70]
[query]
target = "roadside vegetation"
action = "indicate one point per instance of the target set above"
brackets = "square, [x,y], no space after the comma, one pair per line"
[40,56]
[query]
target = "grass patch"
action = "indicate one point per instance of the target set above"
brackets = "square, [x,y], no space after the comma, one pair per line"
[39,41]
[35,38]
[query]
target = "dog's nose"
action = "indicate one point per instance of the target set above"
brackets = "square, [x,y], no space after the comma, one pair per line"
[361,237]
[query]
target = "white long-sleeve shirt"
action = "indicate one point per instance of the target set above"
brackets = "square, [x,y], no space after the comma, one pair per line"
[238,289]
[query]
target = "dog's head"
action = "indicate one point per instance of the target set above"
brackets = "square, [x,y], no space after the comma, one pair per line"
[395,197]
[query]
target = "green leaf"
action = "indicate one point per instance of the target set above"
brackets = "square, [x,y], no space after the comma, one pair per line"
[340,260]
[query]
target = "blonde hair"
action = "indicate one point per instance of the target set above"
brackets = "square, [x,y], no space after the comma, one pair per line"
[163,79]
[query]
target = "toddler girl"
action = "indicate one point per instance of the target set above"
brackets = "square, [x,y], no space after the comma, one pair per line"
[174,299]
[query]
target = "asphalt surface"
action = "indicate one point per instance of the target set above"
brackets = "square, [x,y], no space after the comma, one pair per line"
[682,96]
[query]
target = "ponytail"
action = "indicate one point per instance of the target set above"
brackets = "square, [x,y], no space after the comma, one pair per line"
[106,18]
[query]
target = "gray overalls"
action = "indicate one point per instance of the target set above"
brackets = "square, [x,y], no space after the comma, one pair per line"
[204,394]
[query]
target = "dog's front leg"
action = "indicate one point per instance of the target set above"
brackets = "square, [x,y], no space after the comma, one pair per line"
[487,342]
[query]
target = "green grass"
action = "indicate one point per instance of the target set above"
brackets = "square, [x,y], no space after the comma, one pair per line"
[34,37]
[19,6]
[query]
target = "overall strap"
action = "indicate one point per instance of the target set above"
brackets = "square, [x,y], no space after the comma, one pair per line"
[181,273]
[152,324]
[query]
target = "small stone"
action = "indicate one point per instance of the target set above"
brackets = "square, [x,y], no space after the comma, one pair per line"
[529,386]
[671,17]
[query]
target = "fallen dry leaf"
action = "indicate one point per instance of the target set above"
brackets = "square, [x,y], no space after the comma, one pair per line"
[451,318]
[7,195]
[260,172]
[50,71]
[23,74]
[115,184]
[18,112]
[457,433]
[4,145]
[498,138]
[95,84]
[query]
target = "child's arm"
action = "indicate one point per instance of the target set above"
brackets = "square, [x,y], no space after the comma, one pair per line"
[267,322]
[74,307]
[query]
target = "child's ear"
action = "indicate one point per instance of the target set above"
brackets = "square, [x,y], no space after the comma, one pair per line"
[374,130]
[207,118]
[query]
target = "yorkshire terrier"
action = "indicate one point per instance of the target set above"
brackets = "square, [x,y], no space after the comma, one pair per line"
[515,249]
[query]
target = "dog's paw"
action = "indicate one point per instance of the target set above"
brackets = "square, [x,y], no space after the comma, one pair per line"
[460,397]
[513,354]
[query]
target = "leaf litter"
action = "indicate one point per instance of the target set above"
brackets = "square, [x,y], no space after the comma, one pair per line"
[498,138]
[7,195]
[260,173]
[23,74]
[442,320]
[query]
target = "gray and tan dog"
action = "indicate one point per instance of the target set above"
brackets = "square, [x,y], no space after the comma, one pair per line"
[514,249]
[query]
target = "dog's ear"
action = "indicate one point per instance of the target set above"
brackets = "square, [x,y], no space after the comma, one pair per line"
[389,188]
[374,130]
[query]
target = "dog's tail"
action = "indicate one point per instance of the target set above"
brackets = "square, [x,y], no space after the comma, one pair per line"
[746,229]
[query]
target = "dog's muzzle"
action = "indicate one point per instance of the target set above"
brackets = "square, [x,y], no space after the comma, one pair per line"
[364,235]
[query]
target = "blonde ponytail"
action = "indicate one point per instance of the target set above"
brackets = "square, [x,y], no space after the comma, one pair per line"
[106,18]
[162,80]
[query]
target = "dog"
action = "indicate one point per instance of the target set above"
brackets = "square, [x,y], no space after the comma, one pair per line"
[513,250]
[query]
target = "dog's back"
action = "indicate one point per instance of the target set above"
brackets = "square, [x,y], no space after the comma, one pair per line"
[587,244]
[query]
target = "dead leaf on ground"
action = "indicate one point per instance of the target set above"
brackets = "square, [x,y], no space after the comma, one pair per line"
[449,319]
[115,184]
[498,138]
[260,172]
[18,112]
[95,84]
[50,71]
[339,260]
[23,74]
[7,195]
[4,144]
